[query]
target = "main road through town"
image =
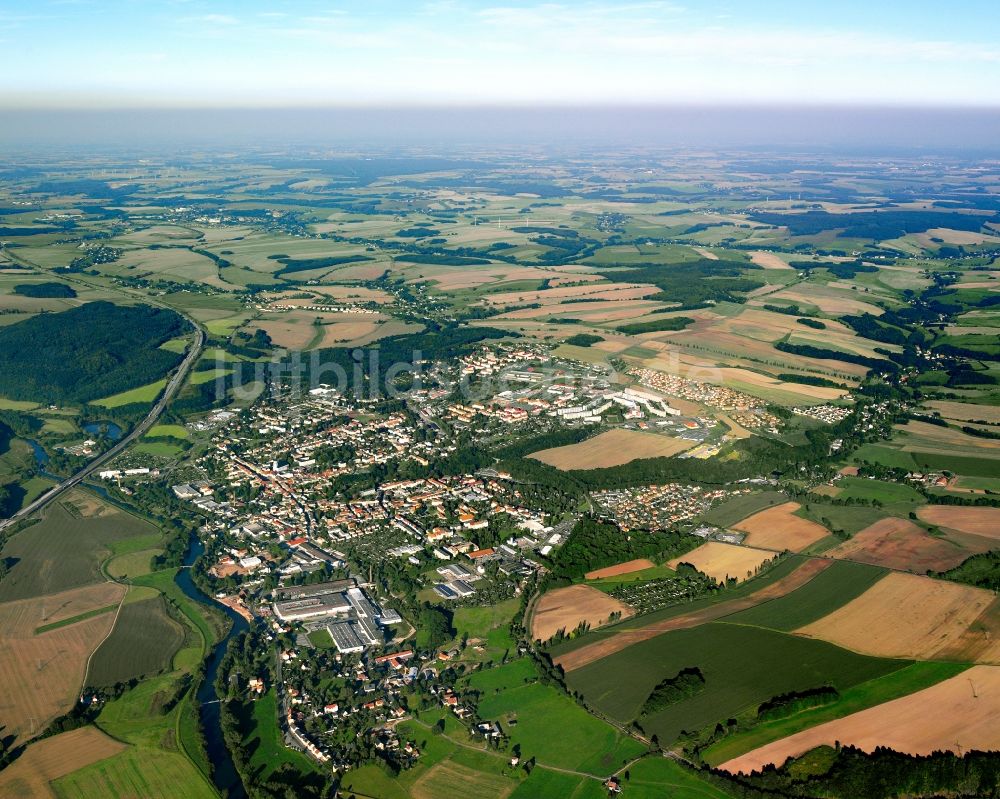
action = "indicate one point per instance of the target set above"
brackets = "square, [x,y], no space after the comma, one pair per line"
[140,429]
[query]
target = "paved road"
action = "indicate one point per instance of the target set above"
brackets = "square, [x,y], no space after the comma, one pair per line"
[173,385]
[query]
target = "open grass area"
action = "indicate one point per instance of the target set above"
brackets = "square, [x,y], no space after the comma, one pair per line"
[172,430]
[149,773]
[264,744]
[849,519]
[155,764]
[545,784]
[727,513]
[489,624]
[908,680]
[160,449]
[209,622]
[827,591]
[582,741]
[915,459]
[143,394]
[31,775]
[886,456]
[453,780]
[886,493]
[132,564]
[743,666]
[656,777]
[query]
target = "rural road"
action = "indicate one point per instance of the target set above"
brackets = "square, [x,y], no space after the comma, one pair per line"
[171,388]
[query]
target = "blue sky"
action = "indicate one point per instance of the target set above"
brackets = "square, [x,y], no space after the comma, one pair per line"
[87,53]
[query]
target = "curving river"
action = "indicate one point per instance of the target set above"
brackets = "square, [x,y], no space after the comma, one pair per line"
[224,772]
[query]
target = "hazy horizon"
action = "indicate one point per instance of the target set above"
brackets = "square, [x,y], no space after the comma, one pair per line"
[816,128]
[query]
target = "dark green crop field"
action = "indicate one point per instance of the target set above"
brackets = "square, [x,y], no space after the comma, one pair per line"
[143,642]
[63,551]
[823,594]
[743,666]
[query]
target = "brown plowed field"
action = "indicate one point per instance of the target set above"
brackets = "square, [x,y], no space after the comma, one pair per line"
[565,608]
[958,714]
[900,544]
[907,616]
[578,658]
[779,528]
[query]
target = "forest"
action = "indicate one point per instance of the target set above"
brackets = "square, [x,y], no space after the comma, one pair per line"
[594,545]
[692,284]
[45,290]
[877,225]
[85,353]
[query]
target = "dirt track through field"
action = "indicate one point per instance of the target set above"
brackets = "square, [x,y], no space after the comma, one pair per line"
[623,639]
[958,714]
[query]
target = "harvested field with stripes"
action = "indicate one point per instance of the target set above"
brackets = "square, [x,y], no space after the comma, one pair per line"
[958,714]
[722,561]
[565,608]
[29,776]
[42,673]
[621,639]
[780,529]
[907,616]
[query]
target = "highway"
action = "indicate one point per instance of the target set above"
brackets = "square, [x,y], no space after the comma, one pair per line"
[172,386]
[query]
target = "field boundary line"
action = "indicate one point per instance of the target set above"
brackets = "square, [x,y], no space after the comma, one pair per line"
[114,622]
